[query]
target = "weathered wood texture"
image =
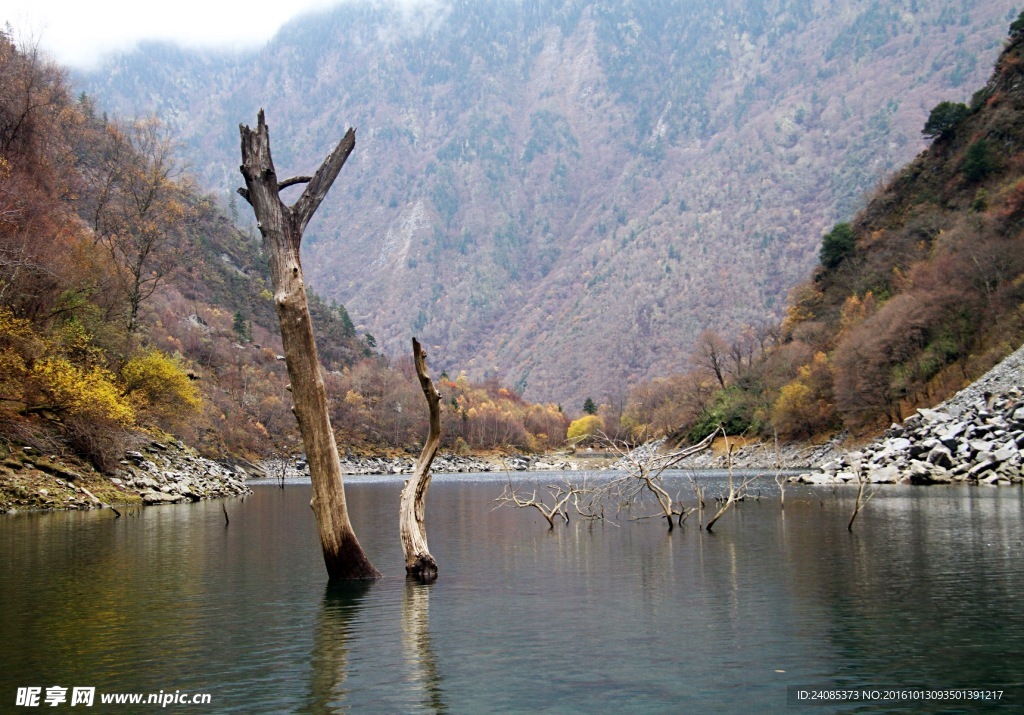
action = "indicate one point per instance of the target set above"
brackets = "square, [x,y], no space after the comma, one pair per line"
[281,227]
[419,564]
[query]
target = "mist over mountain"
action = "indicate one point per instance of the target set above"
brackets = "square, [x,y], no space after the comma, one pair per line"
[565,193]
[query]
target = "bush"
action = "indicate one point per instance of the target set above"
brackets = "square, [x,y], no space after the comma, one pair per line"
[584,429]
[944,118]
[978,161]
[88,392]
[804,406]
[732,409]
[158,382]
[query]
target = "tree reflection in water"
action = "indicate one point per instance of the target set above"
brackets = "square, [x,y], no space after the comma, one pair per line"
[419,655]
[341,604]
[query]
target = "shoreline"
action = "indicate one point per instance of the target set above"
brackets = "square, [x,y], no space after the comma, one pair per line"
[152,473]
[976,436]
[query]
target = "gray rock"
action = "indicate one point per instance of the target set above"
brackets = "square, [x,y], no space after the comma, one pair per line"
[980,468]
[884,475]
[155,497]
[1004,454]
[933,416]
[940,456]
[981,445]
[926,473]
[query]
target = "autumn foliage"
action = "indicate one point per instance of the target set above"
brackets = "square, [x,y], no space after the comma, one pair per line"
[129,303]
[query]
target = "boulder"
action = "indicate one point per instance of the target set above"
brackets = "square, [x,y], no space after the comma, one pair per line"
[927,473]
[884,475]
[933,416]
[940,456]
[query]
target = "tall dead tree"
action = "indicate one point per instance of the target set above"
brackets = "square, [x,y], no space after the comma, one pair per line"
[281,227]
[419,564]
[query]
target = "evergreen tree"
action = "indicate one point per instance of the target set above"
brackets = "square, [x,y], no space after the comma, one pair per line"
[837,245]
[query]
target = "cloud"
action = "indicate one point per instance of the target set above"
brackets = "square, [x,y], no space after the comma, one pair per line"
[79,34]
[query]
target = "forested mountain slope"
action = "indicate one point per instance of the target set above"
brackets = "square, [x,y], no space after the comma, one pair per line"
[929,292]
[567,192]
[917,296]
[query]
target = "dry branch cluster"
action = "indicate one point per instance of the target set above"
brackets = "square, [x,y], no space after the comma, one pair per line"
[639,491]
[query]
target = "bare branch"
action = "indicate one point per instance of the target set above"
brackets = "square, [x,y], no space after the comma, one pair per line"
[292,181]
[320,184]
[735,493]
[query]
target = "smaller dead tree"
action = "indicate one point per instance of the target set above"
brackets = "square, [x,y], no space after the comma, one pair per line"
[863,497]
[419,564]
[643,478]
[736,492]
[699,491]
[561,495]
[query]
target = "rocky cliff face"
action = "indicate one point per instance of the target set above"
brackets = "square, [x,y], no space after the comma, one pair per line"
[565,193]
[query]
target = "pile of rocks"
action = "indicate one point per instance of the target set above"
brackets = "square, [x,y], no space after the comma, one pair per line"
[443,464]
[164,474]
[769,456]
[643,453]
[978,442]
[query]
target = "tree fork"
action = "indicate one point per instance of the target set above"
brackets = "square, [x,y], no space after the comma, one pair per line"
[281,227]
[419,564]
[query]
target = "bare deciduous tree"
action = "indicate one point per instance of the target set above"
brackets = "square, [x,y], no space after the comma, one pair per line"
[711,354]
[561,495]
[863,497]
[736,492]
[643,477]
[281,227]
[138,210]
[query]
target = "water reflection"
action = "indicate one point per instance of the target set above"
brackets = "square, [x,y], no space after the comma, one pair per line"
[597,617]
[419,654]
[334,628]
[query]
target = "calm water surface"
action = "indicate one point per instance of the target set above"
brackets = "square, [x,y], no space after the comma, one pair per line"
[926,593]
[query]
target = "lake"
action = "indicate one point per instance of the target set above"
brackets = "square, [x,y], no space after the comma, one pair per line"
[925,594]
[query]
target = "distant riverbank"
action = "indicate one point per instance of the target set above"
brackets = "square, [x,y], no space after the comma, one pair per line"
[977,436]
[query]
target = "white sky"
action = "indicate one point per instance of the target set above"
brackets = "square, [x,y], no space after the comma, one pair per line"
[78,32]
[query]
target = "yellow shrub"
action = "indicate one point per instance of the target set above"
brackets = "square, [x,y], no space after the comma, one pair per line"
[87,392]
[15,335]
[156,380]
[584,428]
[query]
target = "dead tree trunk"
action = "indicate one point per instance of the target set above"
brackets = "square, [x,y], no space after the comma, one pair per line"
[419,564]
[281,227]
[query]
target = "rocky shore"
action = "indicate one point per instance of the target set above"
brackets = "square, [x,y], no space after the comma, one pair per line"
[443,464]
[976,436]
[166,474]
[152,473]
[981,444]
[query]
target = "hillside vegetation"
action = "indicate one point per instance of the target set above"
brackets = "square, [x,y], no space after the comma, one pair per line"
[567,193]
[920,293]
[131,307]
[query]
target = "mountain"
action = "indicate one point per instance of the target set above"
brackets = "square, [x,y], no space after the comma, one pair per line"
[565,193]
[915,298]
